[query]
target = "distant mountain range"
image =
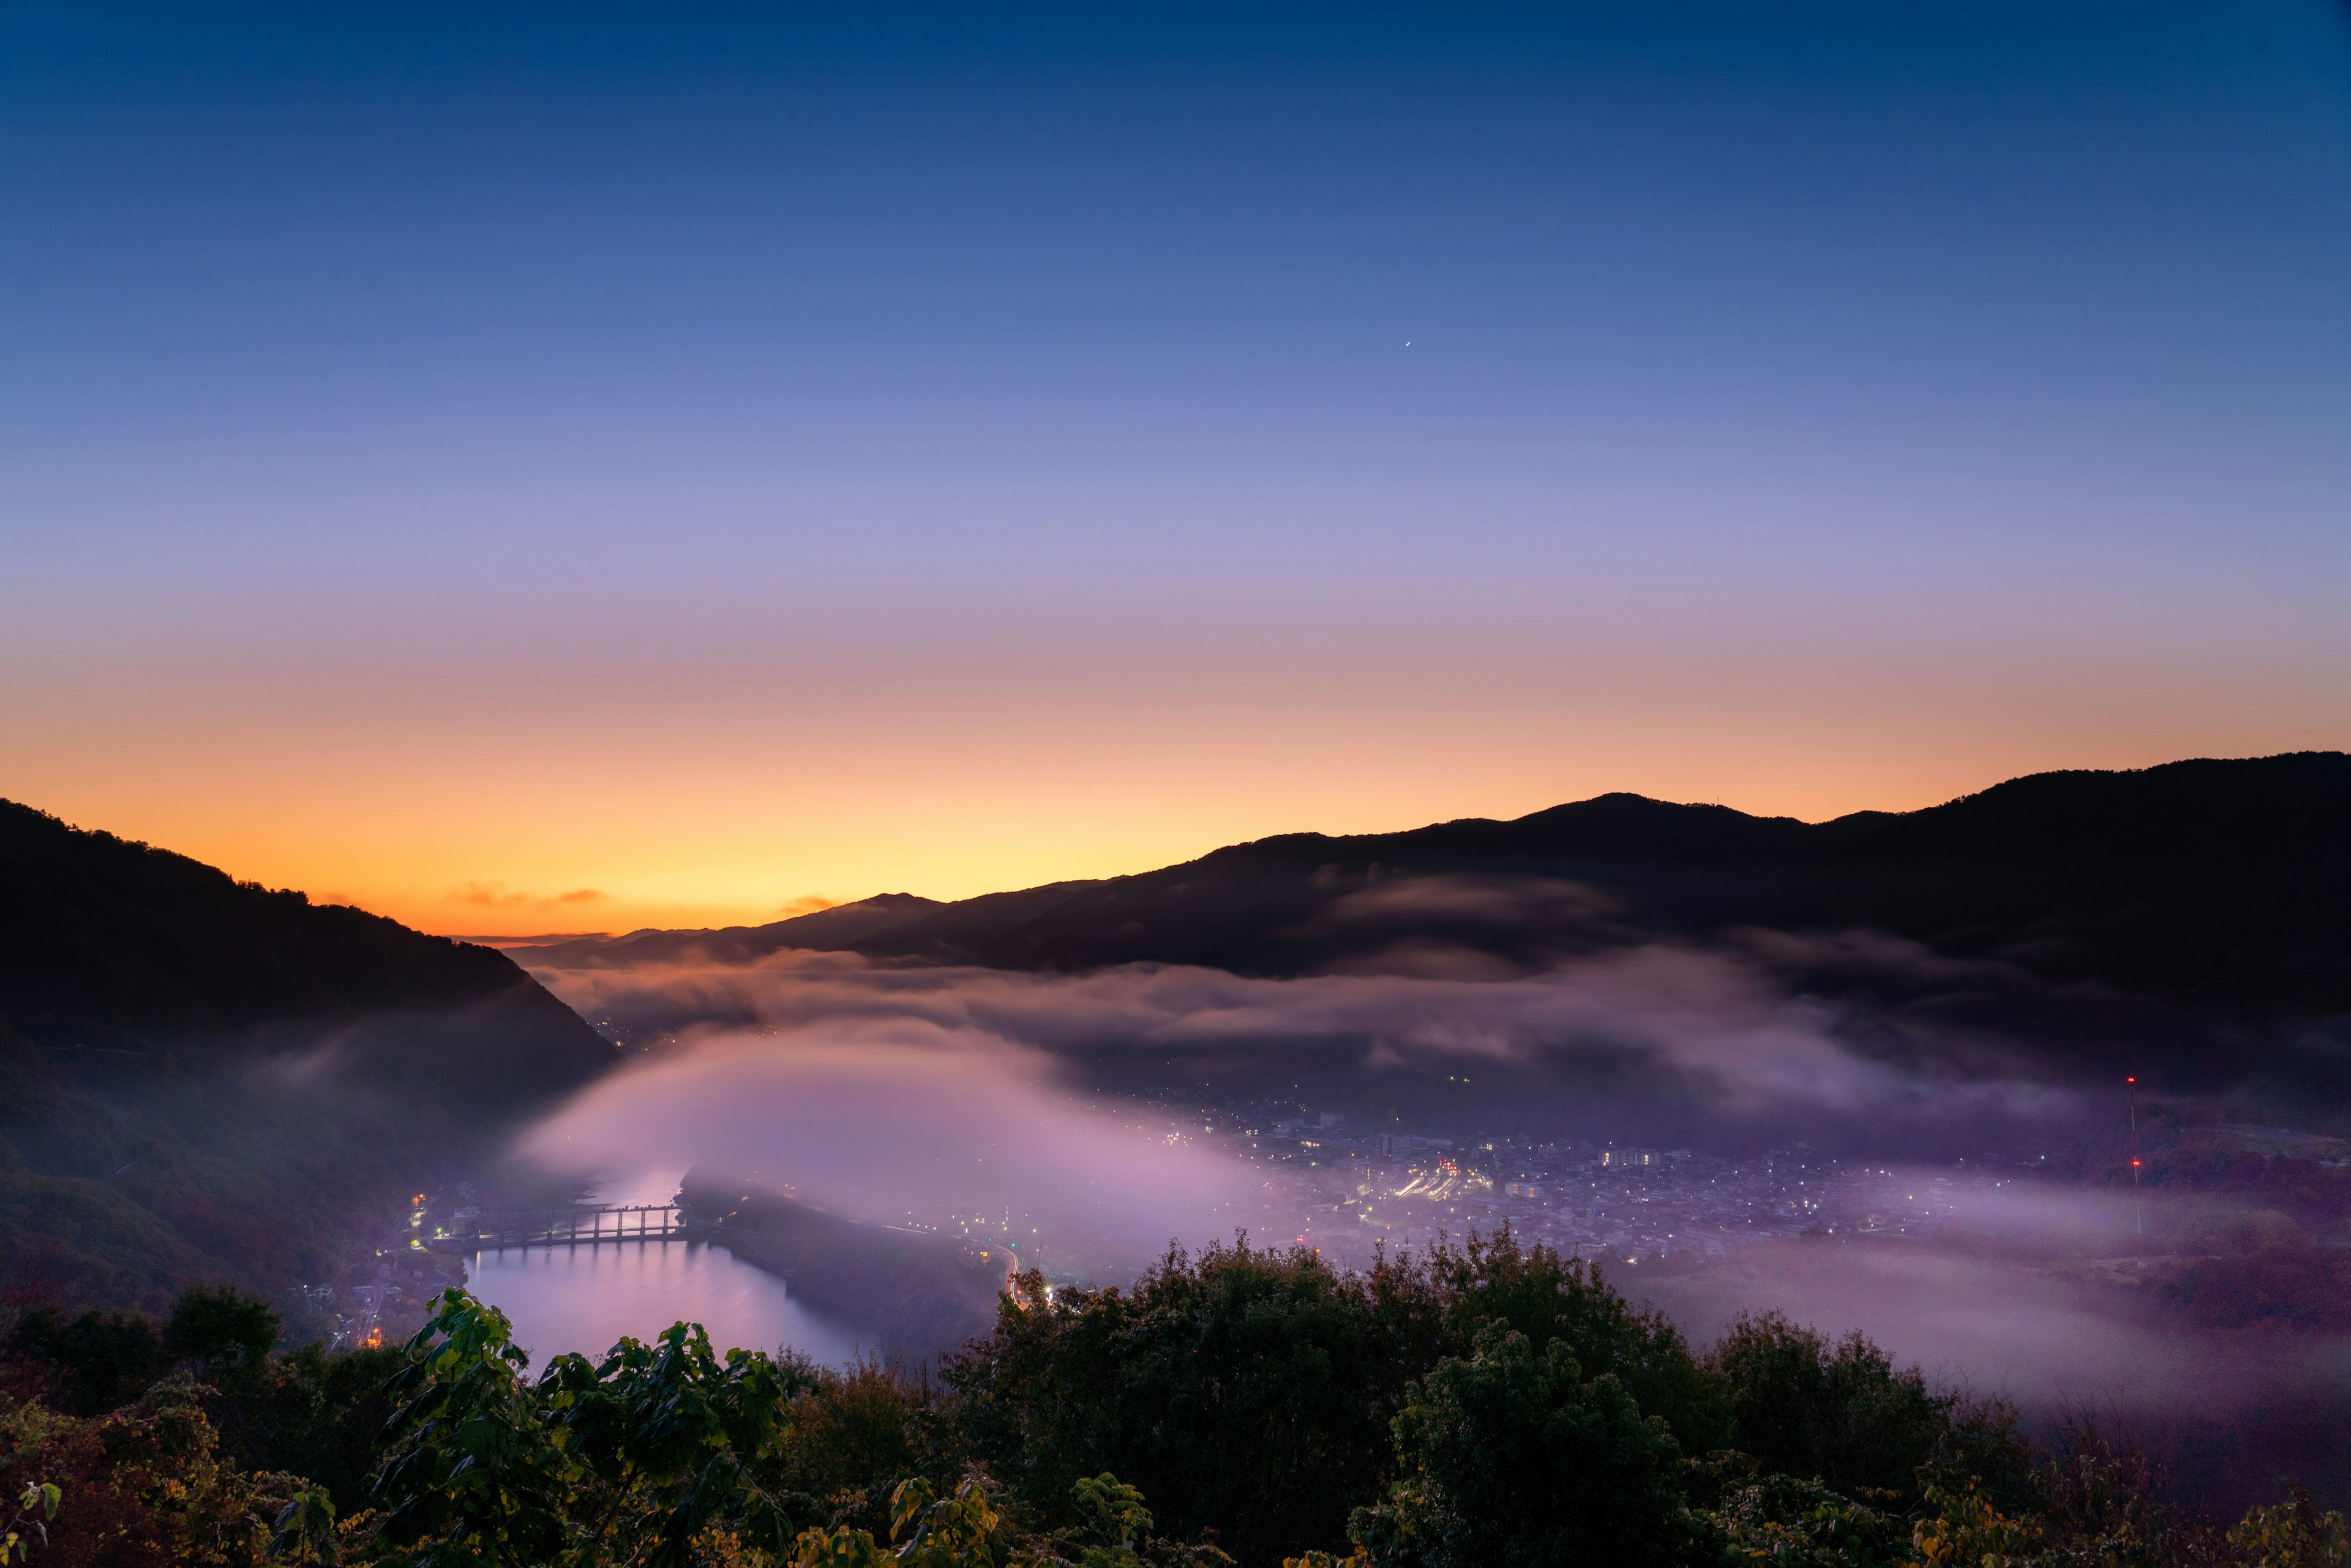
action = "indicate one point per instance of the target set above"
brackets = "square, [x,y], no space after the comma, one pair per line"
[202,1078]
[827,930]
[2212,889]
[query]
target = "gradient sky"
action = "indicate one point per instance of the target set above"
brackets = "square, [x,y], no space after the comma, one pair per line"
[692,460]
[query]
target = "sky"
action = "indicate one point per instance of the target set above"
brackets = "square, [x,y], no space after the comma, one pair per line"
[569,469]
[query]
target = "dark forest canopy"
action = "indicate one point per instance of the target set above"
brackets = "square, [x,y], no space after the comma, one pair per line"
[1476,1405]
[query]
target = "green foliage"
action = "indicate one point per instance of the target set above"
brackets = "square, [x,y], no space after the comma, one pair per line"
[1538,1293]
[1245,1389]
[97,1361]
[35,1506]
[144,1484]
[949,1532]
[856,1434]
[676,1436]
[222,1327]
[1114,1516]
[2093,1504]
[1516,1460]
[1962,1528]
[1780,1521]
[318,1414]
[1511,1450]
[1249,1391]
[929,1532]
[2292,1534]
[305,1529]
[475,1478]
[625,1461]
[1836,1412]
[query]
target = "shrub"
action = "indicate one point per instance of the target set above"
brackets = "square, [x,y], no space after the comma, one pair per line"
[1509,1460]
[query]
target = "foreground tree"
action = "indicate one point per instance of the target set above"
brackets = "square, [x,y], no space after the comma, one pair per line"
[1551,1298]
[2292,1534]
[621,1462]
[1839,1411]
[146,1484]
[1249,1392]
[1509,1460]
[1244,1391]
[1779,1521]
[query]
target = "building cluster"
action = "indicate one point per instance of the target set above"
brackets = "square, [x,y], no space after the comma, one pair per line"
[1668,1209]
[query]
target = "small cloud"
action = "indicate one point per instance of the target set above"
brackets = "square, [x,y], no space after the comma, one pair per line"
[808,905]
[498,895]
[1473,901]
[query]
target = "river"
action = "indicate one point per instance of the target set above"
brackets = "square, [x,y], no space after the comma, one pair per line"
[584,1299]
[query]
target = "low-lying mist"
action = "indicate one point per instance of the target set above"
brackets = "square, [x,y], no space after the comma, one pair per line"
[1069,1106]
[902,1119]
[2033,1297]
[1646,1043]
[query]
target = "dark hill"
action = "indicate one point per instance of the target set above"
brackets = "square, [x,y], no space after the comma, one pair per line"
[963,931]
[1302,902]
[117,947]
[920,1294]
[2219,884]
[826,930]
[2209,882]
[2191,920]
[202,1079]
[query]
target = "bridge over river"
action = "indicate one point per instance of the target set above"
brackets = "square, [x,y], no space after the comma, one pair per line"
[613,1224]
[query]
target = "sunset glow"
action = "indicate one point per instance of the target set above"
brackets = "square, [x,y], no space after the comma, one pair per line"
[945,464]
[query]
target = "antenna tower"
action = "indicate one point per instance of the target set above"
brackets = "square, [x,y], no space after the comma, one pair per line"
[2138,1203]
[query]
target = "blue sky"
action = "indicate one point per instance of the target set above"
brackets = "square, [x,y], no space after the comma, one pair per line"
[1254,359]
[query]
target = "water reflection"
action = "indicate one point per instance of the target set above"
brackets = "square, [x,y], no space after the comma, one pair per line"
[584,1298]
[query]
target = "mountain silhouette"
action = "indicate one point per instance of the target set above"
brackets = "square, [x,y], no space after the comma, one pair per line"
[2183,917]
[2223,884]
[825,930]
[168,965]
[2208,883]
[202,1079]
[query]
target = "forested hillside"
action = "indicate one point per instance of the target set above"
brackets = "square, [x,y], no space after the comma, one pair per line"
[2186,922]
[2205,883]
[202,1079]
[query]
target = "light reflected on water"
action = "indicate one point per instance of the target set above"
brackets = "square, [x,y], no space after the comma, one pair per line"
[584,1299]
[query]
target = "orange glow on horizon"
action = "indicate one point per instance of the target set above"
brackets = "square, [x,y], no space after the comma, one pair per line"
[563,800]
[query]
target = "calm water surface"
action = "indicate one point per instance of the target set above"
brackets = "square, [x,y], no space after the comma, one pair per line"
[584,1298]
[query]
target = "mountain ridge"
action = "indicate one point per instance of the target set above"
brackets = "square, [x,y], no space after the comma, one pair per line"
[111,944]
[203,1078]
[2197,897]
[821,929]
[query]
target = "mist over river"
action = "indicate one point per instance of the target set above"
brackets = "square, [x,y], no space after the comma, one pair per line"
[584,1299]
